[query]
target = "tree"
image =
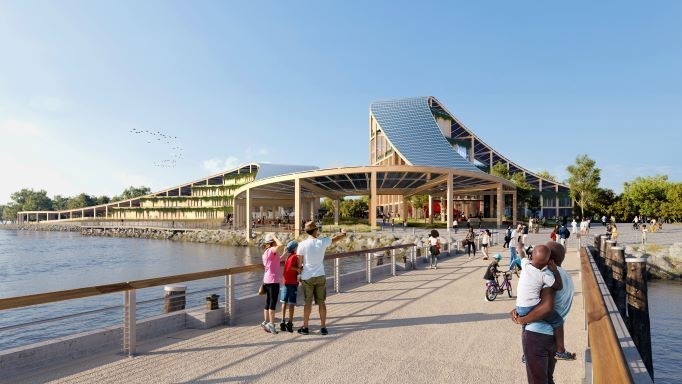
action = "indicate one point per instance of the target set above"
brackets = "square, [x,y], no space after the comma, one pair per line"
[2,209]
[354,207]
[672,208]
[523,191]
[647,194]
[30,200]
[583,180]
[418,202]
[547,176]
[133,192]
[102,200]
[604,202]
[500,170]
[60,203]
[81,201]
[9,213]
[327,205]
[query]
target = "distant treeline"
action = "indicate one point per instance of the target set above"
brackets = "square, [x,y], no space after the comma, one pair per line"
[31,200]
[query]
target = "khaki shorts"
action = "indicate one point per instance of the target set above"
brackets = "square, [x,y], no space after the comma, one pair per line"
[315,287]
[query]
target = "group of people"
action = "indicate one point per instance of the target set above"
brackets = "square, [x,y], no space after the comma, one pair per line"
[303,262]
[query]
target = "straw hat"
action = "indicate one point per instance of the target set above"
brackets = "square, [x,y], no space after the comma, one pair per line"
[310,226]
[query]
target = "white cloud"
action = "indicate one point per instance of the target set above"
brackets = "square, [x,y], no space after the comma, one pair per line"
[19,129]
[217,165]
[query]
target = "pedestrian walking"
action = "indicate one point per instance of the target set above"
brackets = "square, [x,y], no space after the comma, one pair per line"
[485,242]
[469,240]
[434,249]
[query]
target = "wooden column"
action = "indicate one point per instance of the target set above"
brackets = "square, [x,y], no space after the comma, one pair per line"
[619,278]
[602,253]
[312,209]
[248,217]
[638,309]
[500,205]
[373,200]
[449,202]
[556,200]
[337,202]
[297,207]
[430,209]
[442,209]
[515,209]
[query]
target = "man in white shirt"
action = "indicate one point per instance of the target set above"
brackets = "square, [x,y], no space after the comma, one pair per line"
[313,279]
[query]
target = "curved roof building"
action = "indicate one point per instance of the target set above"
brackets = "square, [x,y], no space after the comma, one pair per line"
[421,131]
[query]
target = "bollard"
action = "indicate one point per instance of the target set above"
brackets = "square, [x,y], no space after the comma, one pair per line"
[638,309]
[174,298]
[602,253]
[608,264]
[212,302]
[619,277]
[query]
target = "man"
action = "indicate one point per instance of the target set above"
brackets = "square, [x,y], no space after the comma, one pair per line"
[603,220]
[313,279]
[563,235]
[512,246]
[539,345]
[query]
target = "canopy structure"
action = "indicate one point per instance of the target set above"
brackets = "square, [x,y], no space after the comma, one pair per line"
[301,192]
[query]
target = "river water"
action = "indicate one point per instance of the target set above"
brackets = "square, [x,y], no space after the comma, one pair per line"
[36,262]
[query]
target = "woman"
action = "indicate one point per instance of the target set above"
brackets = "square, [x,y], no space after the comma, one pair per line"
[434,248]
[614,232]
[469,239]
[554,232]
[272,257]
[485,241]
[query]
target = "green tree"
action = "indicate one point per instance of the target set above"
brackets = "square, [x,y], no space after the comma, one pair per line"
[354,207]
[81,201]
[672,207]
[500,170]
[584,178]
[133,192]
[9,213]
[647,194]
[547,176]
[102,200]
[418,202]
[604,202]
[523,191]
[30,200]
[327,204]
[2,209]
[60,203]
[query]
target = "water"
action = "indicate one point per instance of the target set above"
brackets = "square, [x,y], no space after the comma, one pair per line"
[665,307]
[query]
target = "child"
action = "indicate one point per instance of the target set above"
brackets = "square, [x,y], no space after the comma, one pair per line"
[485,241]
[531,282]
[614,232]
[434,248]
[292,267]
[492,270]
[644,231]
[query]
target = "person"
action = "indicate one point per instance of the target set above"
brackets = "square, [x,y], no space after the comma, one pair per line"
[507,237]
[492,270]
[574,226]
[434,249]
[287,296]
[485,241]
[525,233]
[272,256]
[644,232]
[469,239]
[603,220]
[539,345]
[455,225]
[515,237]
[608,230]
[614,231]
[554,233]
[563,234]
[313,279]
[635,222]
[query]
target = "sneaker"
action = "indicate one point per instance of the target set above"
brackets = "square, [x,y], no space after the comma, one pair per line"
[290,327]
[303,331]
[564,355]
[264,326]
[435,267]
[271,328]
[523,359]
[323,331]
[282,327]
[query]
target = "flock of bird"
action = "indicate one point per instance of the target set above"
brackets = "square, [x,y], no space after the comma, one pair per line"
[158,137]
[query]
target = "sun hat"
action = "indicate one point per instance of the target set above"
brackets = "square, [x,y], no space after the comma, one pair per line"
[310,226]
[269,238]
[291,246]
[497,257]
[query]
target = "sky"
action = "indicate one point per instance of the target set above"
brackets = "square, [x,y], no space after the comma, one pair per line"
[230,82]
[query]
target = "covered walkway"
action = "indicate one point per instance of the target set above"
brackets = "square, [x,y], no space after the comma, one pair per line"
[422,326]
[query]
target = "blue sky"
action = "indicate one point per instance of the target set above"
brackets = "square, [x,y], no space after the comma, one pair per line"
[291,82]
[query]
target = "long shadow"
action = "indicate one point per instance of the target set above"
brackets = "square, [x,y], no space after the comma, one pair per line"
[415,321]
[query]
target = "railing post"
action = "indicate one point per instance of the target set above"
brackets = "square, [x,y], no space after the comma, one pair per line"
[229,300]
[393,262]
[129,323]
[369,267]
[638,309]
[337,275]
[414,258]
[619,278]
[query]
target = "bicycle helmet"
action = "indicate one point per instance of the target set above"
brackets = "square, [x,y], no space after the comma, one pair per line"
[497,257]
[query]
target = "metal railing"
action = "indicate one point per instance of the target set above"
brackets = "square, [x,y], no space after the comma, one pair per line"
[384,257]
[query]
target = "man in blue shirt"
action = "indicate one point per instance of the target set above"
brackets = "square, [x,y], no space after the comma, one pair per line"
[538,341]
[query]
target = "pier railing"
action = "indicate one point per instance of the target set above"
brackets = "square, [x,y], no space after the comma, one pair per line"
[373,259]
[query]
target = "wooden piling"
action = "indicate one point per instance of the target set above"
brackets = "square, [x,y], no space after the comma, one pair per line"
[174,298]
[608,264]
[602,252]
[638,309]
[618,279]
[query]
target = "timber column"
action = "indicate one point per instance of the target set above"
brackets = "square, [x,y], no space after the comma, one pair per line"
[500,205]
[515,209]
[297,207]
[373,200]
[336,211]
[249,219]
[448,204]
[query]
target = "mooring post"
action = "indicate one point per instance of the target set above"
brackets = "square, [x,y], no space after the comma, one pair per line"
[602,253]
[638,309]
[619,277]
[608,264]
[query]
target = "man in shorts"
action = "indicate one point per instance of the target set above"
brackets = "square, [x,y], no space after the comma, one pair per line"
[313,279]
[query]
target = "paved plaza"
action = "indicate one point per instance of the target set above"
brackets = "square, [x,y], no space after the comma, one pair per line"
[422,326]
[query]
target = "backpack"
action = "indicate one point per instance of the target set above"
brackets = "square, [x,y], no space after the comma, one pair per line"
[567,233]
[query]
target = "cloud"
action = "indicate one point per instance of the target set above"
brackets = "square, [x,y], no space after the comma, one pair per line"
[18,129]
[217,165]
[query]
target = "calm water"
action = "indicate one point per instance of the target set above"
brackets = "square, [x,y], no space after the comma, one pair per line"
[35,262]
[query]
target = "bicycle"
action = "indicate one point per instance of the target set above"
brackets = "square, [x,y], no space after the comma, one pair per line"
[493,288]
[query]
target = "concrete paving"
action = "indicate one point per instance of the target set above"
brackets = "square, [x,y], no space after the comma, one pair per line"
[422,326]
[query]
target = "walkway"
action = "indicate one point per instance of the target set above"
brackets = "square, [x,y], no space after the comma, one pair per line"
[423,326]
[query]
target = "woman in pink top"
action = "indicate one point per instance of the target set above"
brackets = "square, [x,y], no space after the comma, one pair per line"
[272,258]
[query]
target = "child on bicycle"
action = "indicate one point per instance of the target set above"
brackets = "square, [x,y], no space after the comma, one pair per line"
[492,270]
[531,282]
